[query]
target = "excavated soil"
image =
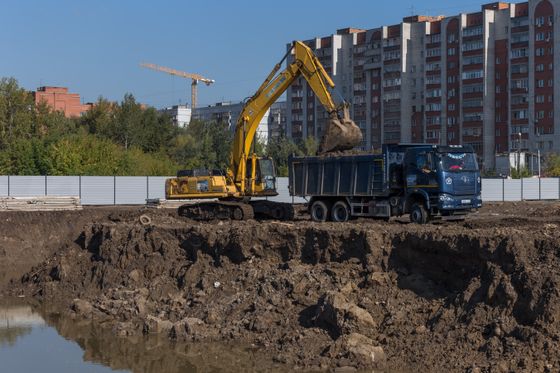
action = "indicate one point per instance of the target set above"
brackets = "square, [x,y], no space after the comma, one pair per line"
[475,296]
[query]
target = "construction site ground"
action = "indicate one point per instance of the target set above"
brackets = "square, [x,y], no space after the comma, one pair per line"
[480,295]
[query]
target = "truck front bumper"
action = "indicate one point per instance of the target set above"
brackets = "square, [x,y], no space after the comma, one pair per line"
[448,202]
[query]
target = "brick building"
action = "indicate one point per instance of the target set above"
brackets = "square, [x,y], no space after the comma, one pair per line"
[60,99]
[487,79]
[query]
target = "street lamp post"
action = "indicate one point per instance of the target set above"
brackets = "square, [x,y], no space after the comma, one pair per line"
[519,155]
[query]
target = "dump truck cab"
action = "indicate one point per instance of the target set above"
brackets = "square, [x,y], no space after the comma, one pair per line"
[439,181]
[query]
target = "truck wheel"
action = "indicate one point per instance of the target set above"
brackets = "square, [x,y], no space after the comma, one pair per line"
[418,214]
[340,212]
[319,211]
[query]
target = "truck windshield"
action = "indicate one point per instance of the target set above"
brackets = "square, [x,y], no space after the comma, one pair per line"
[458,162]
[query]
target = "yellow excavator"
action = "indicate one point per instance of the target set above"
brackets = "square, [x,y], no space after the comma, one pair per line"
[249,176]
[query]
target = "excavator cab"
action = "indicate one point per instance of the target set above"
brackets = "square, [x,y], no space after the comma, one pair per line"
[263,180]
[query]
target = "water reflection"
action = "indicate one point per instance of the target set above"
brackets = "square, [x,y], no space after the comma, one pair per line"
[17,321]
[22,326]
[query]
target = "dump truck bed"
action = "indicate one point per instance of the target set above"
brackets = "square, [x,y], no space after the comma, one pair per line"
[349,176]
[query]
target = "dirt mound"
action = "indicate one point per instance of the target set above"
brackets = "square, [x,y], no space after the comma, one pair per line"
[316,296]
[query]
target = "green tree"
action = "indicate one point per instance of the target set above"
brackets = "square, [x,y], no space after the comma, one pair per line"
[16,112]
[279,150]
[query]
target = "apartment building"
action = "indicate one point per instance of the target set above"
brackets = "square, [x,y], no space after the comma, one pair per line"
[277,120]
[59,99]
[228,113]
[180,114]
[486,78]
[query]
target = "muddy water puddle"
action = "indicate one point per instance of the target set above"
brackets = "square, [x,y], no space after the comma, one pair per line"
[38,339]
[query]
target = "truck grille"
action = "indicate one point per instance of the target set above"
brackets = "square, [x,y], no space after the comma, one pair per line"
[464,185]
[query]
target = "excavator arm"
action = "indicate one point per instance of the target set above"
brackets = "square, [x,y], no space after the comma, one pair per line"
[341,133]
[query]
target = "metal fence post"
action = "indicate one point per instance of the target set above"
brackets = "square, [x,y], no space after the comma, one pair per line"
[80,187]
[9,186]
[521,179]
[540,197]
[114,189]
[503,190]
[147,188]
[46,187]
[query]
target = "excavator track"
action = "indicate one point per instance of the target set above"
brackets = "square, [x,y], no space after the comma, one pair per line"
[233,210]
[219,210]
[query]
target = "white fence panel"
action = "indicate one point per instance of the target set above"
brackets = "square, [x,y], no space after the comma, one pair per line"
[131,190]
[550,188]
[63,186]
[156,186]
[27,186]
[98,190]
[492,190]
[512,190]
[4,188]
[530,189]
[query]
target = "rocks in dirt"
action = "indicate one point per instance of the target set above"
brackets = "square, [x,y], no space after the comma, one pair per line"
[156,325]
[363,352]
[341,315]
[82,307]
[188,328]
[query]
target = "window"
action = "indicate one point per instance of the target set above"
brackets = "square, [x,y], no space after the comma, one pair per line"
[498,89]
[433,67]
[539,36]
[476,74]
[473,88]
[517,100]
[519,52]
[433,120]
[452,38]
[539,67]
[451,65]
[539,21]
[436,38]
[433,93]
[539,52]
[451,93]
[540,83]
[472,45]
[519,69]
[539,99]
[520,83]
[451,121]
[473,60]
[391,55]
[551,114]
[473,117]
[520,114]
[520,37]
[451,79]
[451,107]
[540,114]
[433,52]
[473,31]
[433,107]
[472,103]
[551,83]
[451,51]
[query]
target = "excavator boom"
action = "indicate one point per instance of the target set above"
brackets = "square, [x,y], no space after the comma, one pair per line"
[341,132]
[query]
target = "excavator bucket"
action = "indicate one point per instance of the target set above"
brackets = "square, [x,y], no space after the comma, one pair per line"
[341,134]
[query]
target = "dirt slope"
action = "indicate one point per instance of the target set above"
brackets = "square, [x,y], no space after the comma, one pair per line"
[476,296]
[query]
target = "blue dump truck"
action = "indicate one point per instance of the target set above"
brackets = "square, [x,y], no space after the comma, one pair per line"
[426,181]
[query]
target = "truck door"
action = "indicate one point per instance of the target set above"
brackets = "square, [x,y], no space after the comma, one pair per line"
[419,169]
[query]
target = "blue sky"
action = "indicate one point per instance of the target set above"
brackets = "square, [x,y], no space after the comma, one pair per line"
[94,47]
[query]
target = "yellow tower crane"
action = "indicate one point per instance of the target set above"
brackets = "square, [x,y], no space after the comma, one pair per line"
[195,78]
